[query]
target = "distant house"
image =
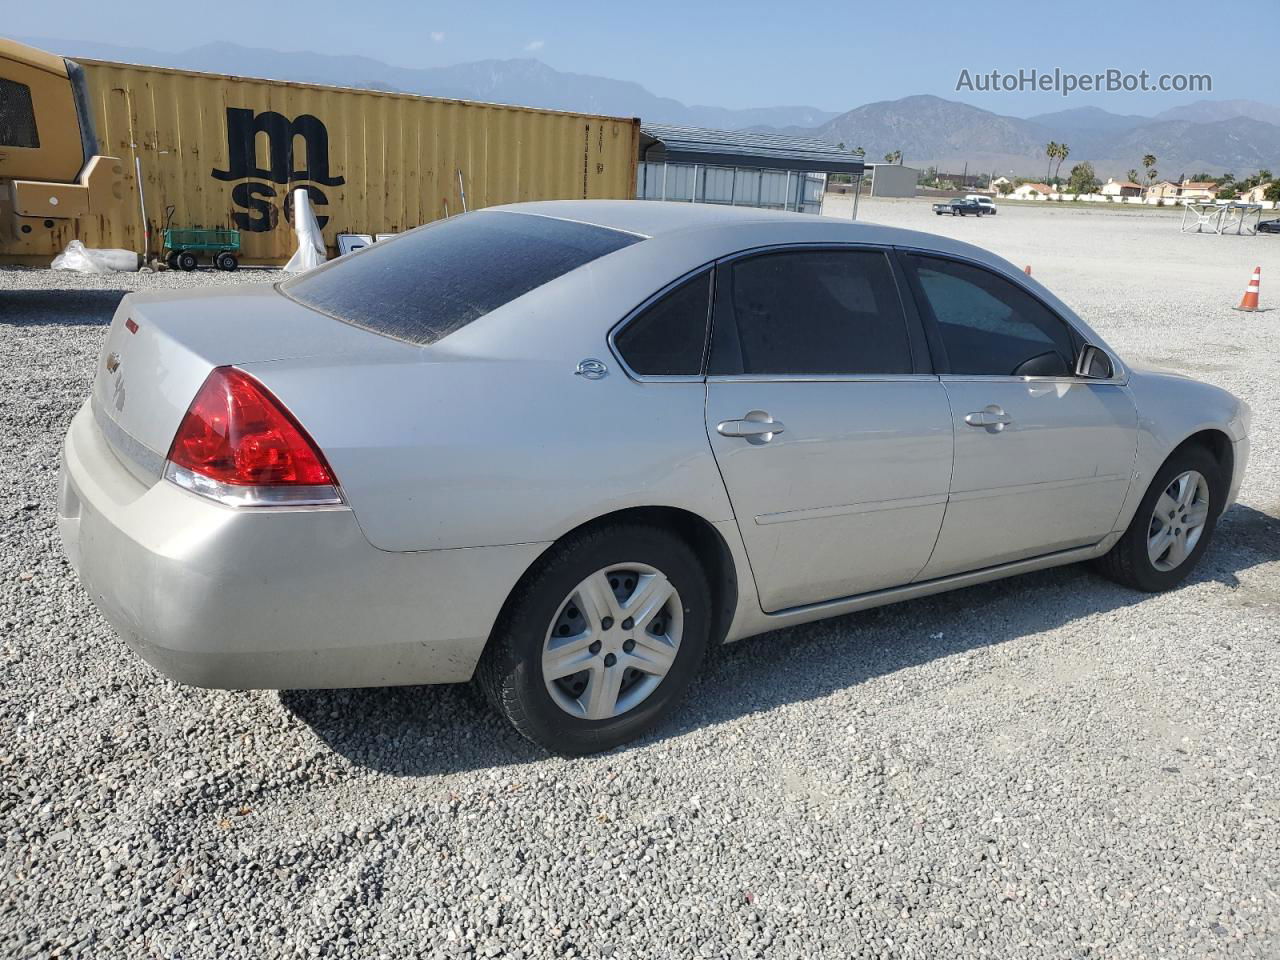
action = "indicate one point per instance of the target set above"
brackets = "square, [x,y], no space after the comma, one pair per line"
[1257,194]
[1121,188]
[1194,190]
[1164,190]
[999,182]
[1032,191]
[1199,190]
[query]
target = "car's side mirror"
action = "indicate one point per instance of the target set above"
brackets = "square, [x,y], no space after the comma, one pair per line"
[1094,364]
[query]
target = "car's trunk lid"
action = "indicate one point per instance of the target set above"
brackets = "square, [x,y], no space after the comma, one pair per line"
[161,347]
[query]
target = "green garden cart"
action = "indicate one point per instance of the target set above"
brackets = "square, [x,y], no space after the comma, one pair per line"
[184,245]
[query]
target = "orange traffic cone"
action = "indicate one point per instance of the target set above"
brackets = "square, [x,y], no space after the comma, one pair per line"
[1249,303]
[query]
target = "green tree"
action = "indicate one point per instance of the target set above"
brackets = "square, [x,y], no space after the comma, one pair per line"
[1050,151]
[894,157]
[1006,188]
[1083,179]
[1063,152]
[1272,192]
[1149,162]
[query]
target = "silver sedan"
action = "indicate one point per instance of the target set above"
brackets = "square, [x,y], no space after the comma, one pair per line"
[563,448]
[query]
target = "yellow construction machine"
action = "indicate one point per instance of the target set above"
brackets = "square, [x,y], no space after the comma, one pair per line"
[50,169]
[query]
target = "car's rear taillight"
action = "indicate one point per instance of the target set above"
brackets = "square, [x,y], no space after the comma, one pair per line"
[237,444]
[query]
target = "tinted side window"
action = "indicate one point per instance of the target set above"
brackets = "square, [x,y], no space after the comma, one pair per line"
[989,326]
[427,283]
[668,337]
[816,312]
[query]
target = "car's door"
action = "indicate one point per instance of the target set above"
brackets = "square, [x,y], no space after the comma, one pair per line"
[1043,458]
[832,435]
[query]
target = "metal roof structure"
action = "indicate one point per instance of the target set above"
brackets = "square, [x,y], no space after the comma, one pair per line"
[662,142]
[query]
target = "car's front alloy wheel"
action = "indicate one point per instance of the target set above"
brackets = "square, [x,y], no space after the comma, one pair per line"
[1178,521]
[1172,526]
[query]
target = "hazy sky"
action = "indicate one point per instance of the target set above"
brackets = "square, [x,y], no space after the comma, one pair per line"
[747,53]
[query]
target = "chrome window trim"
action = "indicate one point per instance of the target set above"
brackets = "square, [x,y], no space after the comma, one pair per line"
[998,378]
[1118,366]
[821,377]
[886,249]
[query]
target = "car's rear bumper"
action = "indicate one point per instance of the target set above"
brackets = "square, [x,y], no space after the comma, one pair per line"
[270,598]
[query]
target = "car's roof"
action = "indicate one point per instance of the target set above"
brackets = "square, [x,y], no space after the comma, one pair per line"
[650,218]
[717,229]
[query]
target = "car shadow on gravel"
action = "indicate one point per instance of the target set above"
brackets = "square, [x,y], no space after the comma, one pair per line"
[425,730]
[76,308]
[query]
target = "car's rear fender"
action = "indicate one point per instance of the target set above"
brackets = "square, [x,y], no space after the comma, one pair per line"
[444,451]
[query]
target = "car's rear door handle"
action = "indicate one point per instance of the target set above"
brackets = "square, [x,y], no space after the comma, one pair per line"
[756,427]
[993,418]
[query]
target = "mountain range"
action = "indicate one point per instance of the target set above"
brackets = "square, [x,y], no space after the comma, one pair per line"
[525,81]
[1209,136]
[1214,136]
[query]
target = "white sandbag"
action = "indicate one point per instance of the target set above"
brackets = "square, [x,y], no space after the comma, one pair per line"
[81,259]
[310,252]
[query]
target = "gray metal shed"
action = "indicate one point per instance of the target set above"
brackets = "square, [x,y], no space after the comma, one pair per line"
[742,168]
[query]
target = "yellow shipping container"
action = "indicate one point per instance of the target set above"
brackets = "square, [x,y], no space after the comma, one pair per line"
[228,151]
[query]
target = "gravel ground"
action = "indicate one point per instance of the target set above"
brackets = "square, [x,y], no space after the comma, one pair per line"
[1051,766]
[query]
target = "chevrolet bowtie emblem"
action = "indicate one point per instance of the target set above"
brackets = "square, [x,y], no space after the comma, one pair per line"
[113,362]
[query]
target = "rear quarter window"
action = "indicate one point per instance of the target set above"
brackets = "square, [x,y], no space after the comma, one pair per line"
[430,282]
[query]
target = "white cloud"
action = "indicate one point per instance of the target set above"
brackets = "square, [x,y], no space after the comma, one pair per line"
[535,45]
[437,36]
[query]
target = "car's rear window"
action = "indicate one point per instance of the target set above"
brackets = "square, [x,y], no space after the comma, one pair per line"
[432,281]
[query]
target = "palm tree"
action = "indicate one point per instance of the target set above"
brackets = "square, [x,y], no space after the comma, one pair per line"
[1063,152]
[1134,176]
[894,157]
[1050,151]
[1149,161]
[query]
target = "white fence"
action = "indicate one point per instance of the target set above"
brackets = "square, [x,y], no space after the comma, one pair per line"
[1135,201]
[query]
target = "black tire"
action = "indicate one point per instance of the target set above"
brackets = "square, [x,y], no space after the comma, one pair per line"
[510,672]
[172,260]
[187,261]
[1128,563]
[226,261]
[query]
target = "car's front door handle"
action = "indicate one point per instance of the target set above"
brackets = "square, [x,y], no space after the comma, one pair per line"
[992,418]
[756,427]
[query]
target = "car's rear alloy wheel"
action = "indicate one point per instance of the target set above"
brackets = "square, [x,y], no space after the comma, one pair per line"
[601,638]
[613,641]
[1172,526]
